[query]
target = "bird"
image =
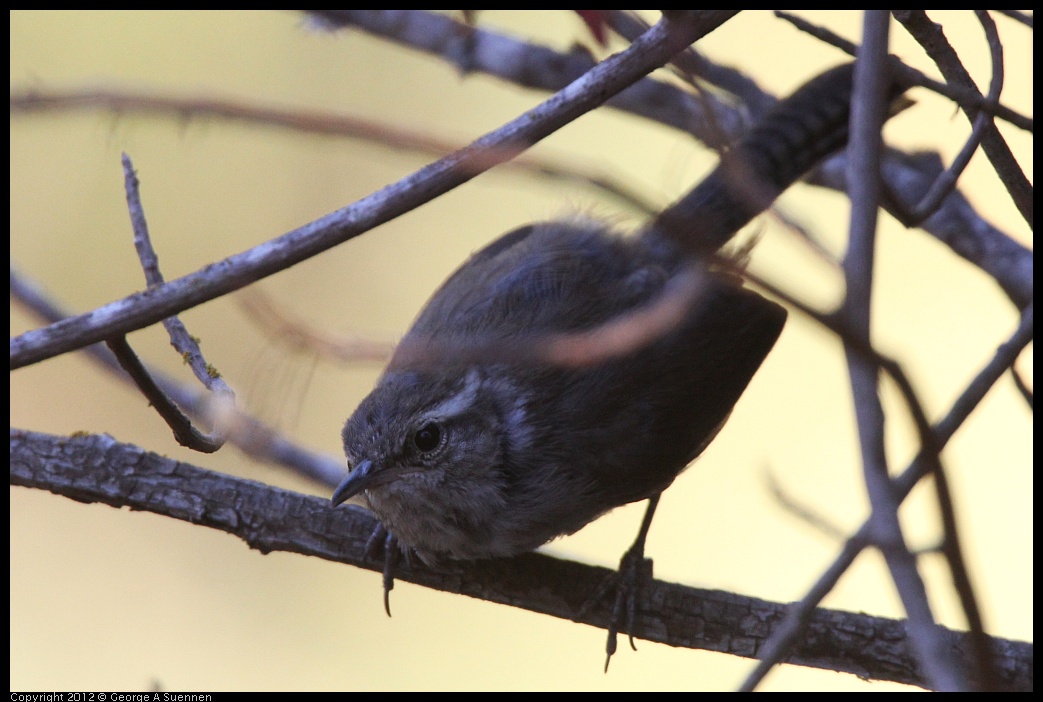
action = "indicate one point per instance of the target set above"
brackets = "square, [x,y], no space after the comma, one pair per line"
[482,440]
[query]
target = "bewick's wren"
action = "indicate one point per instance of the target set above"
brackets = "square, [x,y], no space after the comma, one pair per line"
[466,458]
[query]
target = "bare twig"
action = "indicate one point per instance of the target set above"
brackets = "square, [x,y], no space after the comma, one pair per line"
[183,342]
[1017,16]
[184,431]
[955,224]
[970,99]
[248,434]
[932,39]
[803,512]
[946,181]
[331,124]
[1022,386]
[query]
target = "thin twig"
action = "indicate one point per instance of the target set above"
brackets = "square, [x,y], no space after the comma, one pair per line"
[931,37]
[1022,386]
[1017,16]
[803,512]
[185,433]
[254,438]
[970,99]
[183,342]
[946,181]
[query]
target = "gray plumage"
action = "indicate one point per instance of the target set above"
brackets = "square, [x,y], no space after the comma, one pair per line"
[528,451]
[464,454]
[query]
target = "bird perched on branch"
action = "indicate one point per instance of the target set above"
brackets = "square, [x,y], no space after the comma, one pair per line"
[565,370]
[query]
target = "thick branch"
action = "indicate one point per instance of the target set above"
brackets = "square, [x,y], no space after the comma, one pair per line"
[99,469]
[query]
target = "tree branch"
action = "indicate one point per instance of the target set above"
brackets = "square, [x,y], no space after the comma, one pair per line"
[97,468]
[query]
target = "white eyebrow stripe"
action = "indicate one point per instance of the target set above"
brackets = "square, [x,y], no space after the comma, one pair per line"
[461,401]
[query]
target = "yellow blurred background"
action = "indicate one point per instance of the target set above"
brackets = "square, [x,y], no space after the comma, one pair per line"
[105,599]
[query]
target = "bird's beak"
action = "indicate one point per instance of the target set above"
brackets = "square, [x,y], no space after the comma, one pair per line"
[359,479]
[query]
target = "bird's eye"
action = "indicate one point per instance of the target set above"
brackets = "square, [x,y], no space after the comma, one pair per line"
[428,437]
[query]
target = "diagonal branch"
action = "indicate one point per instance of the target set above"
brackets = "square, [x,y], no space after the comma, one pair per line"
[609,77]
